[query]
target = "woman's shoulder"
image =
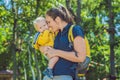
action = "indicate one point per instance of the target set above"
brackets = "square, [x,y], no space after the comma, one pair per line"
[77,27]
[78,31]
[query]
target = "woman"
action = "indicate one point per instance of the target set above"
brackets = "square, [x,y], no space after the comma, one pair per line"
[60,21]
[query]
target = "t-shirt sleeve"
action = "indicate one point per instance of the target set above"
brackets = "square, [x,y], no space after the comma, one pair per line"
[78,31]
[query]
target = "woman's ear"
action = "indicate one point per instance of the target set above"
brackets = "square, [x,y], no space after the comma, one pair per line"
[57,19]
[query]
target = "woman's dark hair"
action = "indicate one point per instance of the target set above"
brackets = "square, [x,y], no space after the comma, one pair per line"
[61,12]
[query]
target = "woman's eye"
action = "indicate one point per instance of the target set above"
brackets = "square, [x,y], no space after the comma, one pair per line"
[48,22]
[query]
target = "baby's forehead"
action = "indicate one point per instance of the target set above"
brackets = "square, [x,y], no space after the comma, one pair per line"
[43,20]
[41,23]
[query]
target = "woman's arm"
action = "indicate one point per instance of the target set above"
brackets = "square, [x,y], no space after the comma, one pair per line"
[79,47]
[80,50]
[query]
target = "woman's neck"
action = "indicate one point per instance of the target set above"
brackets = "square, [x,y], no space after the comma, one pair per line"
[63,24]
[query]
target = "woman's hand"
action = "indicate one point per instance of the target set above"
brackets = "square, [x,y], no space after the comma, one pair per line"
[50,52]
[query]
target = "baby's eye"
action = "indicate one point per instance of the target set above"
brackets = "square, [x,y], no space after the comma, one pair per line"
[48,22]
[44,25]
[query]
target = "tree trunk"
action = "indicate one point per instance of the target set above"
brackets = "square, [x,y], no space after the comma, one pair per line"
[30,56]
[77,17]
[78,21]
[35,55]
[111,31]
[37,7]
[13,41]
[36,63]
[25,71]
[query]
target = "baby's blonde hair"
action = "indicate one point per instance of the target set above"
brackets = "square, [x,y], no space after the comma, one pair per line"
[37,20]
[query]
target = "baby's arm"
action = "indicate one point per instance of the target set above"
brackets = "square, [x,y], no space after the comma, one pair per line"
[43,38]
[52,62]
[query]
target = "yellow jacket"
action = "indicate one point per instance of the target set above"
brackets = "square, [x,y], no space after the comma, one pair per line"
[44,39]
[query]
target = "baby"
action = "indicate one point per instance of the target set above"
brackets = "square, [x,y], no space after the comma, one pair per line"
[44,37]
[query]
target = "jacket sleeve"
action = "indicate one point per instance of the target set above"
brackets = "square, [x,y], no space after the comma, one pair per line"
[43,38]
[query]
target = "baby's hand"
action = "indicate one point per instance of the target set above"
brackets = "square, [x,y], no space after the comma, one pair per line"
[43,49]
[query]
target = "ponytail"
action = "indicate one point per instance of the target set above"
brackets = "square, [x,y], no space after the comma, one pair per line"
[61,12]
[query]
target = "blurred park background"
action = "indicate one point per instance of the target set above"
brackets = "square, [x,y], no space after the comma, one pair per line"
[100,19]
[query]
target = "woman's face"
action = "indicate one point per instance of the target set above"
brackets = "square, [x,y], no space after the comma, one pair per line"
[52,23]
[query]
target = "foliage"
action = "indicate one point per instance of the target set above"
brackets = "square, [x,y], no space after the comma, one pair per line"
[30,63]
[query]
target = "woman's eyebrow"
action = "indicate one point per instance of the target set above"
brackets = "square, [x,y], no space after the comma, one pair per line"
[48,22]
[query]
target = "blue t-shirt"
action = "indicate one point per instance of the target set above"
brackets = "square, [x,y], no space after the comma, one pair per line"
[63,66]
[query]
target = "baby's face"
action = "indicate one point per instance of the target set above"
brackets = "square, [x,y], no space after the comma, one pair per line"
[41,26]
